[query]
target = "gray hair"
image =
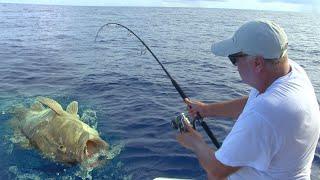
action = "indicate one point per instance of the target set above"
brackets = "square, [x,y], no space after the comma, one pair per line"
[276,62]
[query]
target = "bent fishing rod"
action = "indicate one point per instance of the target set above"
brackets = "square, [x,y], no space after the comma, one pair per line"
[174,83]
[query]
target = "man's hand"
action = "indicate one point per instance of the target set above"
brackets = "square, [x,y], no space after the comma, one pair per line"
[190,139]
[195,107]
[194,141]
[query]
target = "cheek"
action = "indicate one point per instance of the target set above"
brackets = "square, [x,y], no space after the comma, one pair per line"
[241,67]
[244,71]
[241,71]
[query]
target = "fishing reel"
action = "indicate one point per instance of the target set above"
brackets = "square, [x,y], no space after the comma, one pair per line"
[180,121]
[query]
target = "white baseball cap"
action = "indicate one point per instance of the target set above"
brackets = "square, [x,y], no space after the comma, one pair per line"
[263,38]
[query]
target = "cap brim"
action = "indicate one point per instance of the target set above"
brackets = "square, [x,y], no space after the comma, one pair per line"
[224,48]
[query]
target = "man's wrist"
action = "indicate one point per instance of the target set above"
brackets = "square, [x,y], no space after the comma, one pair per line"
[199,147]
[206,110]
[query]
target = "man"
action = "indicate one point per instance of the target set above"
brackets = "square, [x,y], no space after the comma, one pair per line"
[278,123]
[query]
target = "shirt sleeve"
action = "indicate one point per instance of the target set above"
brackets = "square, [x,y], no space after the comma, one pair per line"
[251,142]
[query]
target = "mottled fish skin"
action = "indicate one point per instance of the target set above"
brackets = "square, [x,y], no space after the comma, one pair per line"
[58,134]
[33,121]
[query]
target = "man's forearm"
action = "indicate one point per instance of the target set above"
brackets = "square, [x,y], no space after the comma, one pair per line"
[214,168]
[232,108]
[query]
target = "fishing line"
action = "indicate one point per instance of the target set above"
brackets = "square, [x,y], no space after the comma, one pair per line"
[174,83]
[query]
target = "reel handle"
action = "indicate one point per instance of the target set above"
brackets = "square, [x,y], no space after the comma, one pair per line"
[197,118]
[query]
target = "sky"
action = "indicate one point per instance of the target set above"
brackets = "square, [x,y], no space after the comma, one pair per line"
[273,5]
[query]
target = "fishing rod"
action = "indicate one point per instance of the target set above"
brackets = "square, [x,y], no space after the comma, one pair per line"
[174,83]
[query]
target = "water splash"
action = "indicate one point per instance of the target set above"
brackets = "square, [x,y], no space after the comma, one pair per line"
[90,117]
[98,160]
[23,176]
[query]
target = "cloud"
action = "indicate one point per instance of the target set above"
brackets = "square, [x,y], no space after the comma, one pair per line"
[291,1]
[192,1]
[305,5]
[181,1]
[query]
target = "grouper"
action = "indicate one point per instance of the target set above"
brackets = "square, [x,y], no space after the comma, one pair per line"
[59,134]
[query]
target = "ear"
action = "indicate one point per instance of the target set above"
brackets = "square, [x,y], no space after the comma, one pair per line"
[259,64]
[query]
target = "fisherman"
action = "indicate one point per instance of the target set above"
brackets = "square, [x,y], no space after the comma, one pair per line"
[277,125]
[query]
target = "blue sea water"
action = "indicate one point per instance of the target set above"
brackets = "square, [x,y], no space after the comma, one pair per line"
[50,51]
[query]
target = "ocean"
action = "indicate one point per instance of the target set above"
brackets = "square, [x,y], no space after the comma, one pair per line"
[50,51]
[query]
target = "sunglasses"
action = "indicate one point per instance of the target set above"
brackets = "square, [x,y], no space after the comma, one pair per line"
[233,57]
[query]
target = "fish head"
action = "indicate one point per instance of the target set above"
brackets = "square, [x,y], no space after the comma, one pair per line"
[77,142]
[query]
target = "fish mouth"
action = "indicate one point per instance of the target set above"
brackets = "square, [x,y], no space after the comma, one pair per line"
[95,153]
[94,146]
